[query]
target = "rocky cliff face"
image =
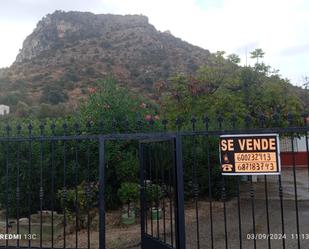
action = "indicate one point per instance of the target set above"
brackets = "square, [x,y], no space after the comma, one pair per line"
[57,29]
[68,51]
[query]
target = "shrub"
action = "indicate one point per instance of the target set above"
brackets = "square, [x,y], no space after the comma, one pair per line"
[153,193]
[12,98]
[83,199]
[22,109]
[128,192]
[52,95]
[197,169]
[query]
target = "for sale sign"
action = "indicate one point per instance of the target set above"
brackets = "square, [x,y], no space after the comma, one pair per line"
[256,154]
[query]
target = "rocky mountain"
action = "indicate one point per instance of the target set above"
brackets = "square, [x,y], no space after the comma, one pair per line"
[68,51]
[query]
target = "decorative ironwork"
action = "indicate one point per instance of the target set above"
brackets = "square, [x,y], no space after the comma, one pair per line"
[54,171]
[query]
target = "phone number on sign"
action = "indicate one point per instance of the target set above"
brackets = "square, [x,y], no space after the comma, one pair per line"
[262,166]
[247,157]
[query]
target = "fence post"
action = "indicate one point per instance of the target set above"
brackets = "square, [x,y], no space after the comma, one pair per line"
[142,192]
[180,219]
[101,193]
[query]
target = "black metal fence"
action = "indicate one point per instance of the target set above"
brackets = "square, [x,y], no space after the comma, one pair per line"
[58,183]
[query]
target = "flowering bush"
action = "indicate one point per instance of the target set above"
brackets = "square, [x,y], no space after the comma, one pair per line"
[113,105]
[118,110]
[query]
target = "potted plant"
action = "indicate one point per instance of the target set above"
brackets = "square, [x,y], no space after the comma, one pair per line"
[154,194]
[128,194]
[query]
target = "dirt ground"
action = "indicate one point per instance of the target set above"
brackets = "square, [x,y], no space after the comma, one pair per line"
[232,225]
[128,237]
[261,228]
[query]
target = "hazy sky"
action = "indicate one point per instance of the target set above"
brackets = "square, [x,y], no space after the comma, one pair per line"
[279,27]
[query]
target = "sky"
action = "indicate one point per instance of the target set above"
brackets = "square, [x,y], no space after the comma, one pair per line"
[279,27]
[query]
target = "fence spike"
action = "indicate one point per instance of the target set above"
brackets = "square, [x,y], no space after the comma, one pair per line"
[233,121]
[248,120]
[88,126]
[206,121]
[76,127]
[127,123]
[164,123]
[138,121]
[53,127]
[290,118]
[114,124]
[101,125]
[151,122]
[30,127]
[42,126]
[178,123]
[305,116]
[276,117]
[193,122]
[262,120]
[220,121]
[18,128]
[65,127]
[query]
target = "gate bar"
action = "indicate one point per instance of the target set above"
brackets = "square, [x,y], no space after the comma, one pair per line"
[142,192]
[180,218]
[101,193]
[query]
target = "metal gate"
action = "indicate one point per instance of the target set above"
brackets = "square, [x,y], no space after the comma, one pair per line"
[55,184]
[162,199]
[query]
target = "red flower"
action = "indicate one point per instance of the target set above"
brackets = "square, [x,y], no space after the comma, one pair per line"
[91,90]
[148,117]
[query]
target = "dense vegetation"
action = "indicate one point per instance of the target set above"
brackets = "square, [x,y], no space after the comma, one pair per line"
[225,88]
[220,89]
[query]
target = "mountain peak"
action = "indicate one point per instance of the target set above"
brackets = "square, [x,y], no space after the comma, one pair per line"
[69,51]
[60,27]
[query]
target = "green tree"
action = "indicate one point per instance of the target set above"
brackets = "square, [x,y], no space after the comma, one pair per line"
[234,58]
[22,109]
[257,54]
[212,89]
[305,85]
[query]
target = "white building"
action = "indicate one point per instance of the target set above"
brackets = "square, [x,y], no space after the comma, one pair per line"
[299,144]
[4,109]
